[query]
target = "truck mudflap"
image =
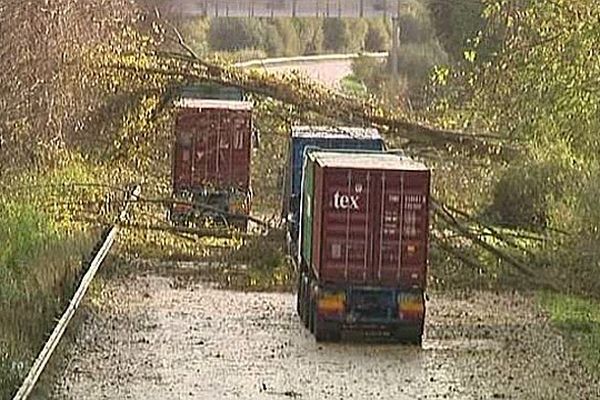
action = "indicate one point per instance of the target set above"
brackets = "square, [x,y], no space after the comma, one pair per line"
[395,313]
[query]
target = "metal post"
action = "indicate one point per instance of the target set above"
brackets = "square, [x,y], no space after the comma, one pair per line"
[339,9]
[294,7]
[327,8]
[362,8]
[395,51]
[216,8]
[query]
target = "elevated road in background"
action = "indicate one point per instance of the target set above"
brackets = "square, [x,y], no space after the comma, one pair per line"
[329,69]
[289,8]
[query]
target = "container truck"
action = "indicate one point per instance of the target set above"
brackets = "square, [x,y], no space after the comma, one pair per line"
[363,244]
[211,162]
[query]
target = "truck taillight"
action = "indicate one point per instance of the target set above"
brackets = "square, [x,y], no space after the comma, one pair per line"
[411,306]
[332,303]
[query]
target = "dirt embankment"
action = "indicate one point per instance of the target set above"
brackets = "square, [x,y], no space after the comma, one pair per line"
[159,339]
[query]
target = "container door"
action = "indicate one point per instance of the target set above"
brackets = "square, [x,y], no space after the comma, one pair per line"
[415,228]
[240,137]
[182,155]
[346,245]
[200,155]
[400,229]
[387,258]
[225,134]
[206,160]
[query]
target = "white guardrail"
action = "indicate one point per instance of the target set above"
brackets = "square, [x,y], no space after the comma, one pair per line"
[44,356]
[283,61]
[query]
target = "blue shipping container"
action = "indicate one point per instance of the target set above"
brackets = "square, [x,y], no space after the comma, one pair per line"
[325,138]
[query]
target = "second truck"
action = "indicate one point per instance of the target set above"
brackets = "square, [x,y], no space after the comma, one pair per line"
[363,244]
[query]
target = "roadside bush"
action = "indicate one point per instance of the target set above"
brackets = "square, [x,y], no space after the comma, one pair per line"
[310,35]
[378,37]
[281,38]
[236,34]
[577,258]
[538,192]
[416,60]
[40,260]
[289,37]
[344,34]
[196,31]
[286,36]
[353,86]
[369,71]
[273,42]
[519,199]
[456,23]
[416,27]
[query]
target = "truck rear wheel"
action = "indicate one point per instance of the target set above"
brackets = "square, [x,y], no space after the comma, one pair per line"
[327,332]
[409,336]
[299,296]
[305,305]
[324,331]
[311,315]
[415,340]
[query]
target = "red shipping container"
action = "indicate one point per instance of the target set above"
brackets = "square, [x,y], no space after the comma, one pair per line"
[369,219]
[213,145]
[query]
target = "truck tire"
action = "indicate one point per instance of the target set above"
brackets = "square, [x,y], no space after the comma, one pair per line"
[323,331]
[327,332]
[412,338]
[312,315]
[305,305]
[417,341]
[299,296]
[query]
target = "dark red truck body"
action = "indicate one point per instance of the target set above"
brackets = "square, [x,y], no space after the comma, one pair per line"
[212,154]
[364,241]
[370,226]
[213,144]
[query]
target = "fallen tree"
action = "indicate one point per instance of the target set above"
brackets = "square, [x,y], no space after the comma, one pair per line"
[304,94]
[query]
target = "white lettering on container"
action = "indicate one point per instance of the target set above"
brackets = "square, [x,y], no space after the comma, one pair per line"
[344,201]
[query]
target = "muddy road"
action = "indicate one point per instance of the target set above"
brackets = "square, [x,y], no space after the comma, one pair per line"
[329,72]
[157,337]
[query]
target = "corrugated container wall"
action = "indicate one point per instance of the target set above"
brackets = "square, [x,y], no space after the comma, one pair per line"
[365,218]
[213,145]
[325,138]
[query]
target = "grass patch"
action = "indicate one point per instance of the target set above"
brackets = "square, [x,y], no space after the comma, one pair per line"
[42,254]
[351,85]
[268,267]
[579,320]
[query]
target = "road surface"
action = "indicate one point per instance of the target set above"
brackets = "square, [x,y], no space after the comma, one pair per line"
[329,72]
[329,69]
[159,337]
